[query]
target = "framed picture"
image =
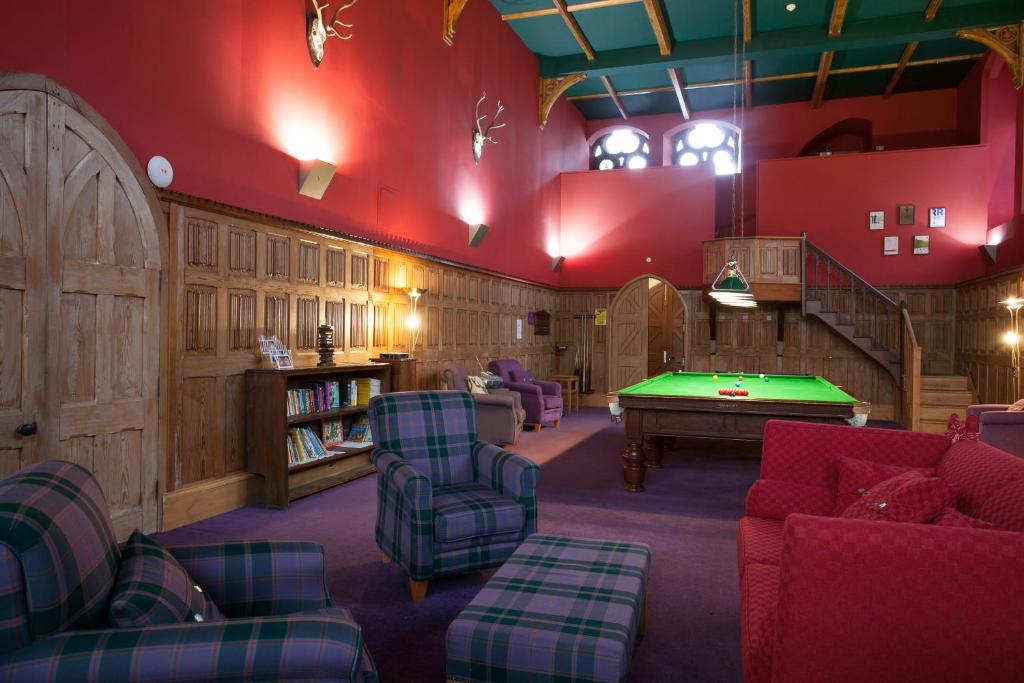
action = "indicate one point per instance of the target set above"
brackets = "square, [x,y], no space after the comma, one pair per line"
[876,220]
[937,217]
[283,360]
[906,214]
[921,244]
[890,245]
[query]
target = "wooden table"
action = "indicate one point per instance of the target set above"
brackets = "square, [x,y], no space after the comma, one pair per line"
[571,387]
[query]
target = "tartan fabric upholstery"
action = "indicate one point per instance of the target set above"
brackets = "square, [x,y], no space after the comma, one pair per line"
[325,645]
[152,588]
[433,430]
[446,503]
[54,518]
[559,609]
[50,503]
[259,578]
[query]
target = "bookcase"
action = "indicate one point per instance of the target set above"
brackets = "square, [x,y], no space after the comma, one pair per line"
[268,421]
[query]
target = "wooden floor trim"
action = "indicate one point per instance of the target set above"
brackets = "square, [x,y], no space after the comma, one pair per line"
[211,497]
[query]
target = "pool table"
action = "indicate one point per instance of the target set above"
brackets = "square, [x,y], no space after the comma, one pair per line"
[689,404]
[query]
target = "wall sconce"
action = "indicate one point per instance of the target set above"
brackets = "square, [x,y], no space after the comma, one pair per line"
[477,233]
[412,321]
[556,263]
[989,252]
[1012,338]
[314,177]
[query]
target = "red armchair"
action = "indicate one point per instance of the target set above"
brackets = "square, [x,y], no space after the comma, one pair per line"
[844,600]
[542,400]
[1000,427]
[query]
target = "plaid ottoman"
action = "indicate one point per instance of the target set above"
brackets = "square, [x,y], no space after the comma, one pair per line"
[559,609]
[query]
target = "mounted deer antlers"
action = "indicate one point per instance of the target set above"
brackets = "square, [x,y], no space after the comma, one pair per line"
[482,135]
[318,30]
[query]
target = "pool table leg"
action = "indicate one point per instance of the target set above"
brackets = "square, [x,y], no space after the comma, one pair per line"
[654,451]
[633,467]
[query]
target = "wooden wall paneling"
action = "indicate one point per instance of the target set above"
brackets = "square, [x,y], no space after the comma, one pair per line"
[981,323]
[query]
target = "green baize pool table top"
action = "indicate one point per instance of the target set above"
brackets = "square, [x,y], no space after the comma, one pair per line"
[800,388]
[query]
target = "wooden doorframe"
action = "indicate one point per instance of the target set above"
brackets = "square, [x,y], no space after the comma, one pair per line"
[156,257]
[611,325]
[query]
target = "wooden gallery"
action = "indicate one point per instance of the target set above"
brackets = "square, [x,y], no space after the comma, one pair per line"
[512,340]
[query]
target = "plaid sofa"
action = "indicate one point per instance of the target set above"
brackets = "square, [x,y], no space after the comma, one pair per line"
[58,564]
[447,503]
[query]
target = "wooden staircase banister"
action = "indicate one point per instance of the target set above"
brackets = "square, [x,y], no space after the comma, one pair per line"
[910,364]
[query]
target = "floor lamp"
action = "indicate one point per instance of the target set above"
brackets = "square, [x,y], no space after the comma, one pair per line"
[1012,338]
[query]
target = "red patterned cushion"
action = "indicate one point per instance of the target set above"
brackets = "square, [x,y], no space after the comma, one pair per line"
[1005,507]
[978,471]
[856,476]
[776,499]
[955,518]
[907,497]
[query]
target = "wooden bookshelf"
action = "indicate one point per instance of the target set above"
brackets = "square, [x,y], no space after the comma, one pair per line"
[268,422]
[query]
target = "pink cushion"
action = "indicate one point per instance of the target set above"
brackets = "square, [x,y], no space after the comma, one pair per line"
[856,476]
[521,375]
[955,518]
[1005,507]
[907,497]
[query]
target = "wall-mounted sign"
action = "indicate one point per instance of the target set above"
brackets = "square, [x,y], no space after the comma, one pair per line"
[519,328]
[876,220]
[600,316]
[937,217]
[906,214]
[921,244]
[891,245]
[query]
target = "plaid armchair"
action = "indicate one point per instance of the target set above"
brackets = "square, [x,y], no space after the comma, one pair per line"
[446,502]
[58,564]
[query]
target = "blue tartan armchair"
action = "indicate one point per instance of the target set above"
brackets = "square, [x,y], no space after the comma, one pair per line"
[58,564]
[446,502]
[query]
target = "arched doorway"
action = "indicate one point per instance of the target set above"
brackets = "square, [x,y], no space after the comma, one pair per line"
[647,331]
[80,258]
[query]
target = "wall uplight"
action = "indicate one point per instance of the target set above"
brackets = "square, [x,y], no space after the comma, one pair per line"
[556,263]
[412,321]
[477,233]
[314,177]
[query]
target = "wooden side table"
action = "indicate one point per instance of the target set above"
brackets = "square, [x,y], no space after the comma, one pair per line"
[571,386]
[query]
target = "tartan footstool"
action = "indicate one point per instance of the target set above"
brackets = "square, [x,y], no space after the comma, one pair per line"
[559,609]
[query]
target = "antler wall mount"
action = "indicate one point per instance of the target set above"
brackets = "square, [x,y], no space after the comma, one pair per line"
[318,30]
[482,135]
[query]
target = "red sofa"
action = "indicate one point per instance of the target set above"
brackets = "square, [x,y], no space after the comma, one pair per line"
[824,598]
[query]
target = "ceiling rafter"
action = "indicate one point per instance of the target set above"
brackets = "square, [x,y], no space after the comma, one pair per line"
[679,86]
[748,22]
[932,9]
[835,24]
[781,77]
[824,69]
[656,15]
[574,28]
[615,97]
[908,52]
[869,33]
[578,7]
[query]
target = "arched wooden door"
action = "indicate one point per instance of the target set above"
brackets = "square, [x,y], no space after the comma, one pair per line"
[666,328]
[629,318]
[90,370]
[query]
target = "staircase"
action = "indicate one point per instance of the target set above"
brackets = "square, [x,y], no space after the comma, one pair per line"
[942,395]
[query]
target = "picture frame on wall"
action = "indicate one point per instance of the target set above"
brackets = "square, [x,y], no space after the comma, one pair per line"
[921,244]
[876,220]
[891,245]
[937,217]
[906,214]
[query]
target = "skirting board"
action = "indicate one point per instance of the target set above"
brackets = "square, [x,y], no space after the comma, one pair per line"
[212,497]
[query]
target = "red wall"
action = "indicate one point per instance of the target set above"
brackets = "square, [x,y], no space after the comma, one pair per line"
[225,90]
[830,197]
[613,220]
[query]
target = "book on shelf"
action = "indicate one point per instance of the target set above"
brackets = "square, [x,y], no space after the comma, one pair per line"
[304,446]
[314,397]
[359,432]
[333,433]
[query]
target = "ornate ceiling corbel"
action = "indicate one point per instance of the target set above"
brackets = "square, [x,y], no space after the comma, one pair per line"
[551,89]
[1006,42]
[452,11]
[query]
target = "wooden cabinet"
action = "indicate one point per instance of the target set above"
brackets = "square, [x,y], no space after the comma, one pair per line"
[268,422]
[403,373]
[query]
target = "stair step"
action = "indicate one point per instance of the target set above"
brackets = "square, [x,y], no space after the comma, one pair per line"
[933,382]
[934,426]
[942,413]
[951,397]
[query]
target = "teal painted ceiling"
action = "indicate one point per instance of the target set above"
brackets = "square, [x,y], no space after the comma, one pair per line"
[785,48]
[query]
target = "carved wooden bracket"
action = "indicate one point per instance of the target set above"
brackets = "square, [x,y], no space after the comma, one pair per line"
[1005,41]
[551,89]
[452,11]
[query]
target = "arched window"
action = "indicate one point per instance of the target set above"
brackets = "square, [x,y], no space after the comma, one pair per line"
[619,147]
[714,143]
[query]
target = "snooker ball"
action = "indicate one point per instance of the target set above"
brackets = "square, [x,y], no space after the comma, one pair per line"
[740,378]
[737,383]
[761,375]
[714,378]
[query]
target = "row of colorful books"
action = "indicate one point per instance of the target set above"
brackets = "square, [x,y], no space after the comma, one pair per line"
[304,445]
[321,396]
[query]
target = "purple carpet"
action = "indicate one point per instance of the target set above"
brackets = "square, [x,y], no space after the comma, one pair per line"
[688,516]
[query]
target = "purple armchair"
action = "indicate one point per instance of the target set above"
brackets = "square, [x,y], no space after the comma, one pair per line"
[1000,427]
[541,400]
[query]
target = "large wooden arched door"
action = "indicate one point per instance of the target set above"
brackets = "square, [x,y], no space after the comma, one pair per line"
[666,328]
[642,302]
[90,324]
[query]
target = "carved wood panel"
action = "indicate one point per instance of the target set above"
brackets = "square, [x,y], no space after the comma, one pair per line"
[981,323]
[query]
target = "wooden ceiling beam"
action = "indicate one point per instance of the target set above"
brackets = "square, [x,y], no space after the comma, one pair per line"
[578,7]
[615,97]
[656,15]
[780,77]
[550,90]
[748,88]
[793,42]
[821,80]
[574,28]
[932,9]
[835,24]
[748,21]
[679,86]
[908,52]
[452,12]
